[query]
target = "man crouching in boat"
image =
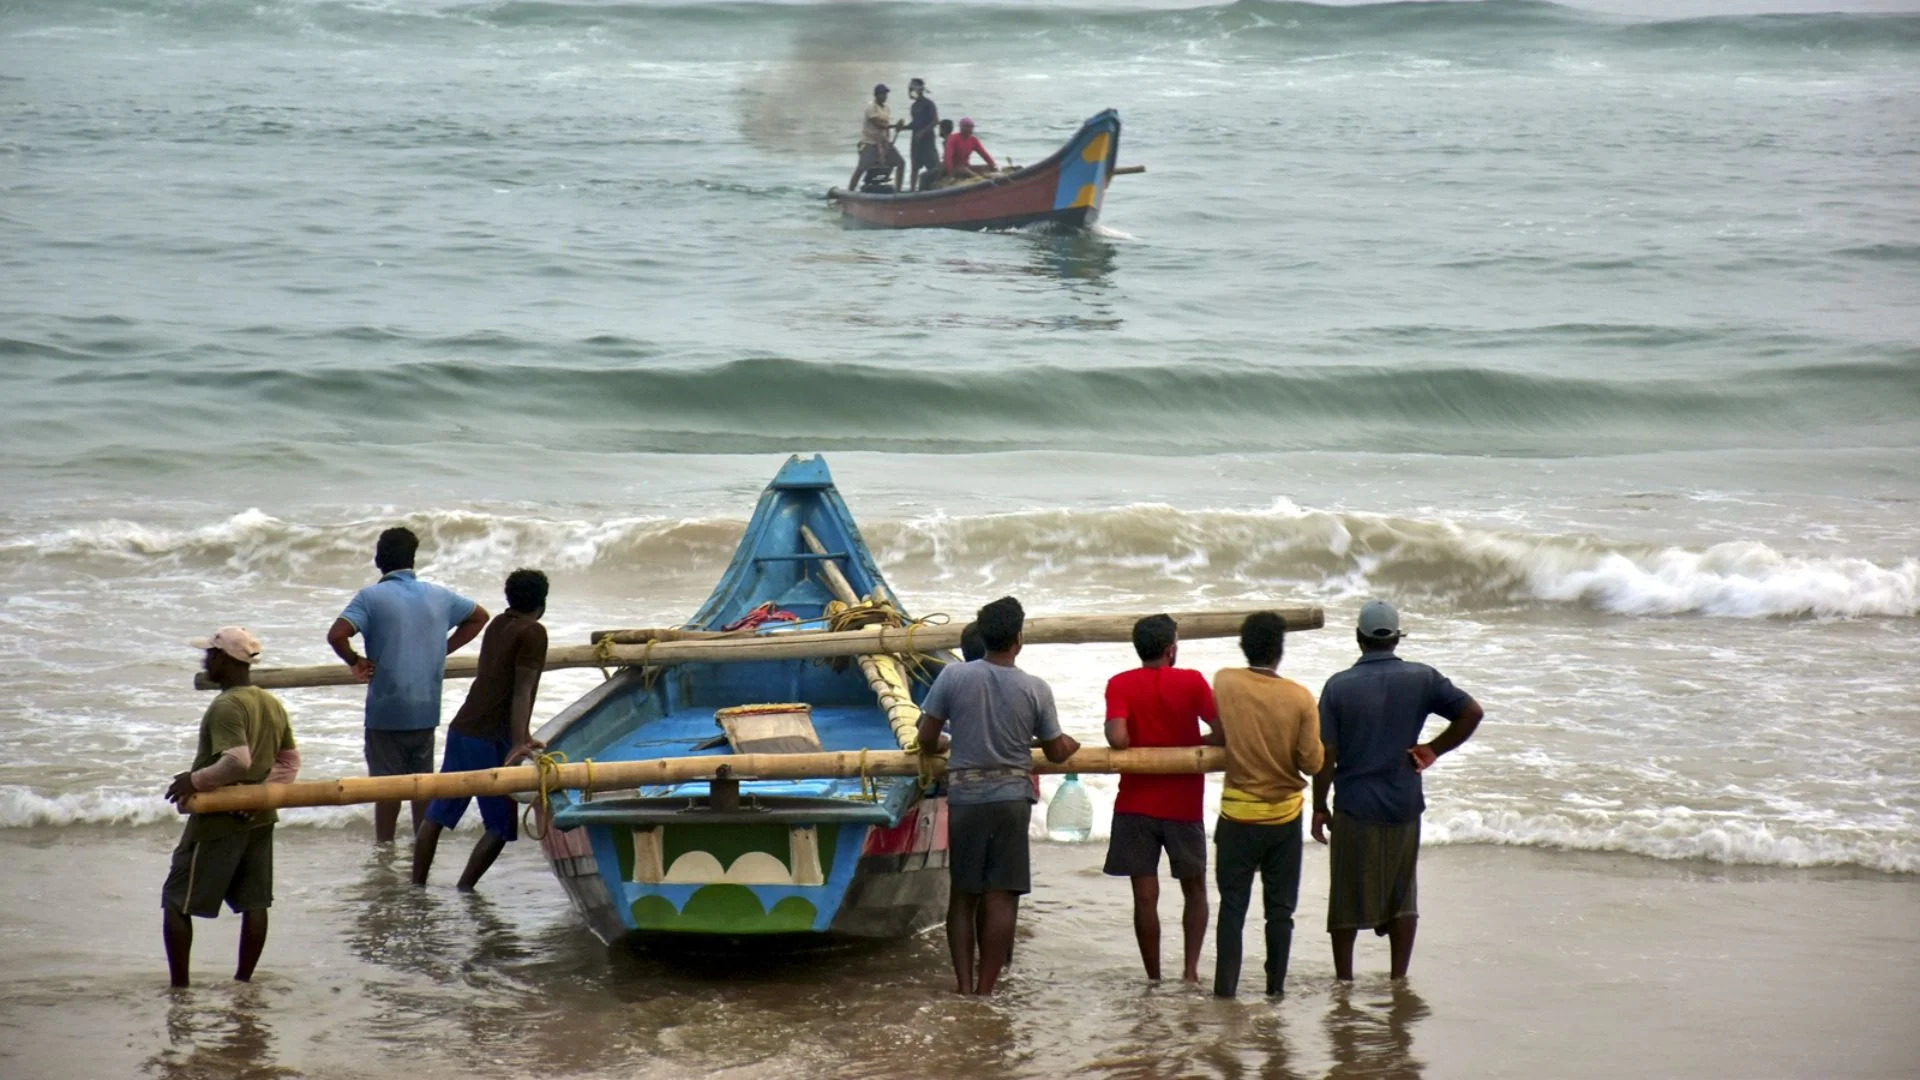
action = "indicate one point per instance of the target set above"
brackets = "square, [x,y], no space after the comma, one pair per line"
[998,712]
[244,739]
[876,143]
[493,727]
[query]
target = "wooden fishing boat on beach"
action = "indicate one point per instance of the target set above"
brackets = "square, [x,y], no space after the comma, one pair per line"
[751,779]
[1065,190]
[740,860]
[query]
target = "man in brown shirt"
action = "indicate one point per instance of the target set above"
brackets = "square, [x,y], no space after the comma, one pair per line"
[1273,745]
[492,727]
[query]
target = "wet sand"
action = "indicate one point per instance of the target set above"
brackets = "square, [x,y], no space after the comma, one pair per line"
[1530,964]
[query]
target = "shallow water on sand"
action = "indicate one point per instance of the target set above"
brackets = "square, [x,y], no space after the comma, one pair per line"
[1529,965]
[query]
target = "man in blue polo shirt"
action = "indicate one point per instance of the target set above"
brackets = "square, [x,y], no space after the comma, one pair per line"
[404,621]
[1371,716]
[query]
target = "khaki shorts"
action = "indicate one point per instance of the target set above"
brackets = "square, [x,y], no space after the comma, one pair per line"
[1371,874]
[879,155]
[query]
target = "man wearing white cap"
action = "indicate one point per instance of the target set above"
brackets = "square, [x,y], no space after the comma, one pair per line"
[1371,716]
[244,739]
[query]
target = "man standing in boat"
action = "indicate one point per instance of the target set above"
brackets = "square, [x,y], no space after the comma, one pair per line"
[876,143]
[922,127]
[493,728]
[1371,716]
[244,739]
[998,713]
[405,622]
[1158,704]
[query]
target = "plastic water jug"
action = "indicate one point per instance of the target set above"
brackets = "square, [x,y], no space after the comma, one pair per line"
[1070,812]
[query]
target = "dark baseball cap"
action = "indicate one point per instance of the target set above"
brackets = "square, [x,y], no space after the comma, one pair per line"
[880,88]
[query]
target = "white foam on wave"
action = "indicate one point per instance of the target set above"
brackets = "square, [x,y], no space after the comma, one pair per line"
[23,808]
[1741,578]
[1142,548]
[1676,832]
[1666,832]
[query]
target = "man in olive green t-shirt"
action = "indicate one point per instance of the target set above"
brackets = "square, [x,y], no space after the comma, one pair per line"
[244,739]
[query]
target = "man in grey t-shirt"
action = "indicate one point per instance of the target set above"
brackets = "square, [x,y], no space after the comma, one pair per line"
[998,712]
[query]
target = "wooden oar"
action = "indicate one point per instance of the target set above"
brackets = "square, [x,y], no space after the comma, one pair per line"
[624,775]
[1128,170]
[1041,630]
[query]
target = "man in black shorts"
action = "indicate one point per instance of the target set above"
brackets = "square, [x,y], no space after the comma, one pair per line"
[1159,704]
[244,739]
[998,712]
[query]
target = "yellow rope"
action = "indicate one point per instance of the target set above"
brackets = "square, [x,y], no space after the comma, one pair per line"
[603,652]
[869,787]
[547,769]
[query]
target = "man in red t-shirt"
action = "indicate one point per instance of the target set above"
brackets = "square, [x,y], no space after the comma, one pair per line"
[1157,704]
[958,160]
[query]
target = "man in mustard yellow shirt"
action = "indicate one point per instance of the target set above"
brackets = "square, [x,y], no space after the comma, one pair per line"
[1273,746]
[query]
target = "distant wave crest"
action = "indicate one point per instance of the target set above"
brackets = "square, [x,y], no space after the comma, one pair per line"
[1488,27]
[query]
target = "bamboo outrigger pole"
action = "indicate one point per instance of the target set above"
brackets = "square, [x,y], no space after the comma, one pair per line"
[886,675]
[1041,630]
[626,775]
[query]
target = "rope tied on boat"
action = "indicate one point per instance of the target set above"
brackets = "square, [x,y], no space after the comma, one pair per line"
[547,770]
[869,787]
[889,676]
[603,651]
[875,611]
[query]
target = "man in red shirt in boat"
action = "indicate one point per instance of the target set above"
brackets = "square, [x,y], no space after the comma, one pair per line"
[960,150]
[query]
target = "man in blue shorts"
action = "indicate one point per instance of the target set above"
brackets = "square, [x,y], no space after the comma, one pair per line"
[493,728]
[405,622]
[998,712]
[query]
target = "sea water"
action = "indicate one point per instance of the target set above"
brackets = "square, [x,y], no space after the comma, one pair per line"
[1587,337]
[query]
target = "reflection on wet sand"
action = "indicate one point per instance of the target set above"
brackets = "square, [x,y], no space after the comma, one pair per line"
[1374,1038]
[212,1034]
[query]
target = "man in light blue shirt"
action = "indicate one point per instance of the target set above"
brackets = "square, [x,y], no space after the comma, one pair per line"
[404,621]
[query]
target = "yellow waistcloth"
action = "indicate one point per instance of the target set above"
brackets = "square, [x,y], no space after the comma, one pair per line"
[1239,806]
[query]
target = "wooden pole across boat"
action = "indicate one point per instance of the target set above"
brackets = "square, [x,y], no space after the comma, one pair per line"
[626,775]
[1041,630]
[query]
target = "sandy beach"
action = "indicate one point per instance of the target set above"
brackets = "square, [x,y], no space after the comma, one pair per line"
[1531,964]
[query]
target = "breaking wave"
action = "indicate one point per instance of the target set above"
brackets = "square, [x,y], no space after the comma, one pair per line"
[1148,550]
[1273,26]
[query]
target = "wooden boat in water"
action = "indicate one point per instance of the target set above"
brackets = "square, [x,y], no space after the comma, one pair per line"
[753,862]
[1064,190]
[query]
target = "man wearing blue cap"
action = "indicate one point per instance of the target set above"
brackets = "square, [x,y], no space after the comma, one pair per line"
[1371,716]
[876,143]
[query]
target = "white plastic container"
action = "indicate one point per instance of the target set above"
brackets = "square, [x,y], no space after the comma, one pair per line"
[1070,812]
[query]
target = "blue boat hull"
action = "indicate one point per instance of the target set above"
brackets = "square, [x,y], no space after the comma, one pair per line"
[795,863]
